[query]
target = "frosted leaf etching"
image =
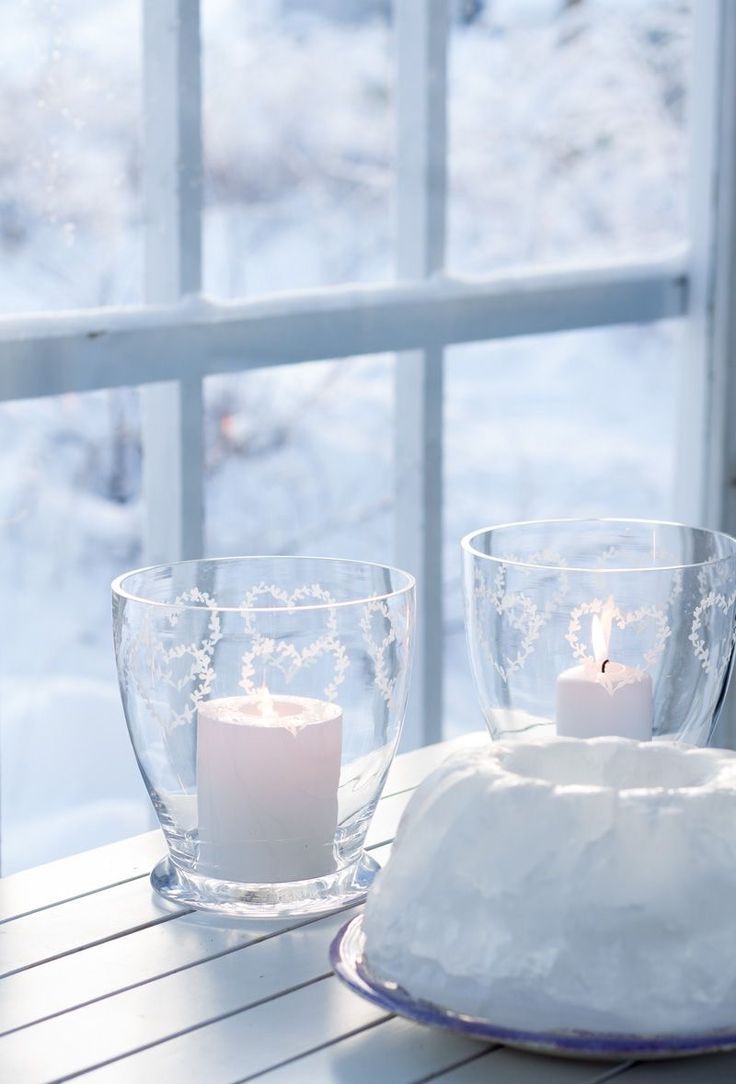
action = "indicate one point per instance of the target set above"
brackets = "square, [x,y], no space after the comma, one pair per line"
[677,586]
[534,564]
[282,655]
[714,658]
[184,666]
[519,611]
[377,647]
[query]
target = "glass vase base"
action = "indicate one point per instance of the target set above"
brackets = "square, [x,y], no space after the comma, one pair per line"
[288,899]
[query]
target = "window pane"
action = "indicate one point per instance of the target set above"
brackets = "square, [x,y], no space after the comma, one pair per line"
[579,424]
[69,155]
[297,144]
[567,124]
[300,460]
[70,513]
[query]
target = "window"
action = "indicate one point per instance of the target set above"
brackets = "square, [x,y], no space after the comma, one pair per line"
[291,446]
[325,174]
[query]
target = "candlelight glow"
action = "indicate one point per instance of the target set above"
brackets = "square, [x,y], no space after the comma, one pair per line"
[265,702]
[601,630]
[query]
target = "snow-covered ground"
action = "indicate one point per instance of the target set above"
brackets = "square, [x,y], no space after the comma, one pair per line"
[567,139]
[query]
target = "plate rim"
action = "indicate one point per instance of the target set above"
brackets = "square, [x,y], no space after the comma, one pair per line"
[349,964]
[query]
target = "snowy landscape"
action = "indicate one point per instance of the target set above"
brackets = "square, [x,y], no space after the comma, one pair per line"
[568,141]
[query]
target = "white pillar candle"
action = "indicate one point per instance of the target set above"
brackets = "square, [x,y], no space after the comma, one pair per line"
[268,771]
[602,698]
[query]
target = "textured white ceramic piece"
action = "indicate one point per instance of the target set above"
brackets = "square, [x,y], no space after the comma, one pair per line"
[567,884]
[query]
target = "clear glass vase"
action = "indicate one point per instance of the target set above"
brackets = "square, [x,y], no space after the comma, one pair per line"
[264,698]
[593,627]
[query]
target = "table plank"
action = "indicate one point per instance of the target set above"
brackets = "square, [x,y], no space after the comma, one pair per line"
[112,966]
[247,1043]
[166,1006]
[68,878]
[83,921]
[101,868]
[713,1069]
[396,1051]
[504,1066]
[78,978]
[46,934]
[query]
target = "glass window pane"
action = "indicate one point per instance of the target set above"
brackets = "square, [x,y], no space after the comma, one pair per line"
[577,424]
[567,131]
[70,101]
[300,460]
[70,514]
[297,144]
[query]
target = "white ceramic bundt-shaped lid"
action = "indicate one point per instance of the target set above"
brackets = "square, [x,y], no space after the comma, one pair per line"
[567,884]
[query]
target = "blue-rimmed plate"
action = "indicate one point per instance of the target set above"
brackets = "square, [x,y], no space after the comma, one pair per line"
[346,957]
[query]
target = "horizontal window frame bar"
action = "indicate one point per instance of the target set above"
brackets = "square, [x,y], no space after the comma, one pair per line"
[48,354]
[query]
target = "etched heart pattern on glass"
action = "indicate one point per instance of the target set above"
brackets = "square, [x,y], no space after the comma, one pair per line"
[521,616]
[268,653]
[380,637]
[712,631]
[184,672]
[640,634]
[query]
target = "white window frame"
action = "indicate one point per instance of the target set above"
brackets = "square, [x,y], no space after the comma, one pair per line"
[170,344]
[706,445]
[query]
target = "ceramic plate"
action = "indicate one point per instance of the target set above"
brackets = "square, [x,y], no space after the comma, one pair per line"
[346,956]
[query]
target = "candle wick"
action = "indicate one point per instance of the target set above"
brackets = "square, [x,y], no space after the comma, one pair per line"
[604,665]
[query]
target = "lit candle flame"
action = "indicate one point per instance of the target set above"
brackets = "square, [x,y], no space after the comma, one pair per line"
[601,631]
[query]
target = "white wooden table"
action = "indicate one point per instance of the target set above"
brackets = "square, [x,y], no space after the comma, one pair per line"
[100,980]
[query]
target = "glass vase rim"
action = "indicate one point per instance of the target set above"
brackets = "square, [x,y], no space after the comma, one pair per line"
[407,587]
[467,546]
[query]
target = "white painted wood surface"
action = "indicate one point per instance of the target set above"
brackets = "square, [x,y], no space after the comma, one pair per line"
[54,353]
[67,878]
[110,984]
